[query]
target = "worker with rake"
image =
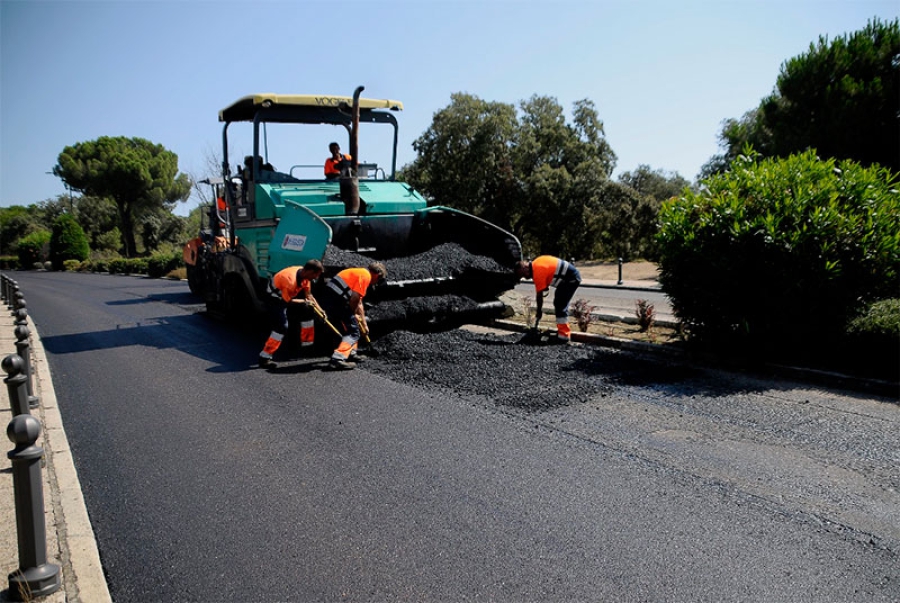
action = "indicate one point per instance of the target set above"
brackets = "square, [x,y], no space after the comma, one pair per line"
[547,271]
[342,299]
[293,285]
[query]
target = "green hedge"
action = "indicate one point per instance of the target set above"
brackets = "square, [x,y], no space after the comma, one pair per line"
[161,264]
[775,257]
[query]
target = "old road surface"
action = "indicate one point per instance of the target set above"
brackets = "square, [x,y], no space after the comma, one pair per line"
[461,466]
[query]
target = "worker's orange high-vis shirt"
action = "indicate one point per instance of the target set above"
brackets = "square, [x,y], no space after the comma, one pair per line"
[331,164]
[543,268]
[357,279]
[286,282]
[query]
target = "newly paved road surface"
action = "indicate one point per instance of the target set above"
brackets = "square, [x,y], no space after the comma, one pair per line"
[207,479]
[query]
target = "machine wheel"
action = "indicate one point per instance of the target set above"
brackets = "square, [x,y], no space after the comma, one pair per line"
[237,305]
[195,280]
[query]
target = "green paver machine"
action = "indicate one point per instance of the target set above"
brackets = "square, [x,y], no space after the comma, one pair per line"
[265,220]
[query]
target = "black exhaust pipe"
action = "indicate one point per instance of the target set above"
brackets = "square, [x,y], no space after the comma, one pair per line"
[350,182]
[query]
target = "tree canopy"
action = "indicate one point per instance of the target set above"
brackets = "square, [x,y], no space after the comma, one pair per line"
[139,176]
[841,98]
[533,172]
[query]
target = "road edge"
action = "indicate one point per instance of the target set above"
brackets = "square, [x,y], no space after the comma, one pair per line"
[82,573]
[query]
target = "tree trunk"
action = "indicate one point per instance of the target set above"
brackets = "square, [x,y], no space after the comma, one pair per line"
[126,222]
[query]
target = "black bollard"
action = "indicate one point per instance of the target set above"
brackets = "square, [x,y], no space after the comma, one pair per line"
[21,315]
[16,384]
[620,272]
[35,576]
[23,349]
[4,282]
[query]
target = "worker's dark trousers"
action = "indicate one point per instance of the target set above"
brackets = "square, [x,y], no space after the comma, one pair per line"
[338,310]
[565,291]
[278,318]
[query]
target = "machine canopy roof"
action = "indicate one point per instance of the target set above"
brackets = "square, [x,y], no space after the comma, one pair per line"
[301,105]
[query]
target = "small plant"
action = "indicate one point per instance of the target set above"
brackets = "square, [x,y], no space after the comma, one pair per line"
[178,274]
[582,311]
[645,313]
[528,309]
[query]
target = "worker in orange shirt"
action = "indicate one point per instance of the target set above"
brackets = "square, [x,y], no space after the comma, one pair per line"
[293,285]
[342,300]
[335,164]
[547,271]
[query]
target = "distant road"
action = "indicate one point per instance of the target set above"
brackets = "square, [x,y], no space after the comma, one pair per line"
[613,300]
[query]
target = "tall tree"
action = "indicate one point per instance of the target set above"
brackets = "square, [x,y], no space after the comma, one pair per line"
[841,98]
[529,171]
[658,184]
[16,222]
[98,218]
[464,157]
[139,176]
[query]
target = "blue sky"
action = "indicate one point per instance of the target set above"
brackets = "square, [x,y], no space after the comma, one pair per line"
[663,74]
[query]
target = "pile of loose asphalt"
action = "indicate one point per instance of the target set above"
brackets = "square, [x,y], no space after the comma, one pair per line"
[448,260]
[442,261]
[524,372]
[513,370]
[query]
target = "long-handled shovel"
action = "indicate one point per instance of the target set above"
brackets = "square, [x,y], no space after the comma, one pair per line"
[370,349]
[320,313]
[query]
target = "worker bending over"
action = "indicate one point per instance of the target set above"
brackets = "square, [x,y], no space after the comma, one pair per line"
[293,285]
[547,271]
[343,302]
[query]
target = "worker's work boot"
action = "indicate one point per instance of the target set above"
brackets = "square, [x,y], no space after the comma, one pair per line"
[357,358]
[341,365]
[266,363]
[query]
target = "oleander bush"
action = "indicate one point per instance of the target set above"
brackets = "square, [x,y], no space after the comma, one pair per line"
[874,337]
[774,257]
[34,248]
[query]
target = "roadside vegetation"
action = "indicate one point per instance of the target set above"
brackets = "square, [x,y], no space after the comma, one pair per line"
[785,247]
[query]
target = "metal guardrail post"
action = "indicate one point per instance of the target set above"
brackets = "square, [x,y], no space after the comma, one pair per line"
[16,384]
[18,298]
[23,349]
[35,576]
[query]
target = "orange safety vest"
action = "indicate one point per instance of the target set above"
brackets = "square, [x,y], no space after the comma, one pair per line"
[351,280]
[547,270]
[332,165]
[286,282]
